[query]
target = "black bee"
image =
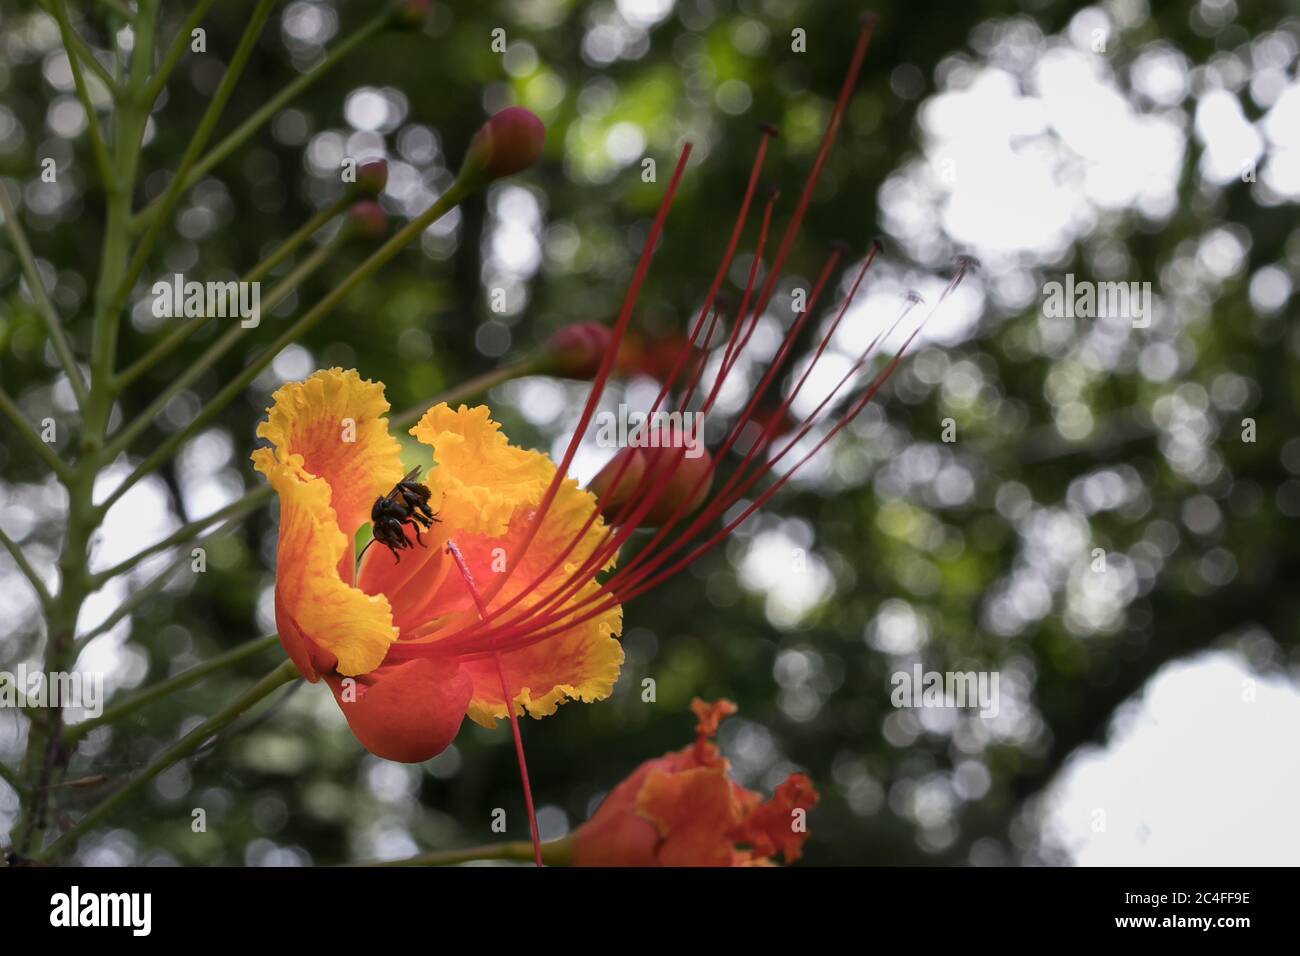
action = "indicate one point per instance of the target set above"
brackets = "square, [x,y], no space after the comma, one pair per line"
[407,503]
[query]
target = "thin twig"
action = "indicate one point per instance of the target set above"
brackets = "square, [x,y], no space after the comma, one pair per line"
[281,675]
[169,686]
[16,552]
[44,306]
[269,109]
[24,428]
[106,176]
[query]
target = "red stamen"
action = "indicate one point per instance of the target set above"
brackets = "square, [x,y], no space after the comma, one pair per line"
[602,375]
[733,351]
[528,622]
[509,702]
[719,276]
[542,630]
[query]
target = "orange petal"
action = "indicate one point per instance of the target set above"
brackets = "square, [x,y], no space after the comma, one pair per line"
[333,424]
[580,662]
[488,491]
[410,713]
[694,812]
[323,622]
[775,826]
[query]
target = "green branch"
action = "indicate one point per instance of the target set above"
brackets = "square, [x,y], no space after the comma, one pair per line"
[43,451]
[212,354]
[60,12]
[211,408]
[169,686]
[466,390]
[232,512]
[83,51]
[16,552]
[141,594]
[281,675]
[175,50]
[147,216]
[199,139]
[43,304]
[181,335]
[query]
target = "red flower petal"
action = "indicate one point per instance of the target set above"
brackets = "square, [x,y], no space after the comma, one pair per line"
[410,713]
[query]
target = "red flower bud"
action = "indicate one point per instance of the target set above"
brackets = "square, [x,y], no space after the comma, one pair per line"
[367,220]
[668,461]
[508,143]
[576,351]
[372,177]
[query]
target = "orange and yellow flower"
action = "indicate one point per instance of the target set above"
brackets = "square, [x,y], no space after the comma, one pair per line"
[684,809]
[331,456]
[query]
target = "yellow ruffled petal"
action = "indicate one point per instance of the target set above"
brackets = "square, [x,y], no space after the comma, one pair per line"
[582,663]
[317,613]
[482,477]
[333,421]
[489,494]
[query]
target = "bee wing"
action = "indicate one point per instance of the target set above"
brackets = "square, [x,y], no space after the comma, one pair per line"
[397,488]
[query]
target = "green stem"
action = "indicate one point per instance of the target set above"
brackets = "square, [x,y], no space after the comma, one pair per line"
[176,50]
[281,675]
[445,203]
[212,354]
[43,304]
[183,334]
[467,389]
[16,552]
[169,686]
[308,229]
[73,41]
[129,128]
[272,106]
[45,759]
[143,593]
[232,512]
[556,853]
[11,777]
[43,451]
[199,139]
[60,12]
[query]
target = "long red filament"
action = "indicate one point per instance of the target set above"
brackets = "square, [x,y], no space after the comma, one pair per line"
[509,703]
[602,374]
[540,630]
[682,358]
[598,557]
[787,242]
[725,502]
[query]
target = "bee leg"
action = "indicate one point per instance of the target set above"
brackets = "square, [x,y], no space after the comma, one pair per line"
[415,525]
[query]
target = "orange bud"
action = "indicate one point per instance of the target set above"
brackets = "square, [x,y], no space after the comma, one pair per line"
[367,220]
[576,351]
[675,465]
[372,177]
[506,144]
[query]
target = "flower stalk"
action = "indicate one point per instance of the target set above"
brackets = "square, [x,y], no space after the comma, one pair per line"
[283,674]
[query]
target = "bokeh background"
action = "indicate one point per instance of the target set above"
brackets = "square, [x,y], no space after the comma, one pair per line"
[1160,692]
